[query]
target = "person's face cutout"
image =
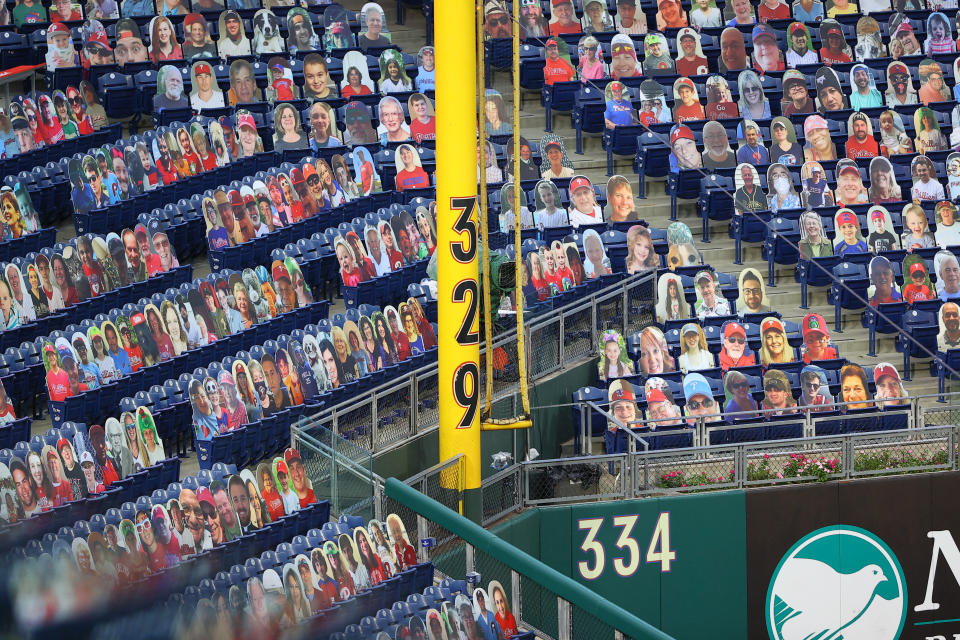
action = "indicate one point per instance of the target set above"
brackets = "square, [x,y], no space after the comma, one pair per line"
[497,24]
[733,53]
[853,388]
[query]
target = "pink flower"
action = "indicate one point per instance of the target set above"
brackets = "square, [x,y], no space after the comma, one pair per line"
[766,456]
[779,476]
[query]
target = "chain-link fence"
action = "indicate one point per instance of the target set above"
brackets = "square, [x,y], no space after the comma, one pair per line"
[389,415]
[338,469]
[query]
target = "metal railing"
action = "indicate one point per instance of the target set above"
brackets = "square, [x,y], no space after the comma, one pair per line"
[736,466]
[337,468]
[919,411]
[389,415]
[544,600]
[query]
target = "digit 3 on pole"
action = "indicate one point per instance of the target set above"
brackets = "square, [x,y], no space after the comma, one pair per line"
[457,266]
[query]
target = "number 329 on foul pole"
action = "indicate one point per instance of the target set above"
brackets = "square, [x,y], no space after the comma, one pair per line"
[465,297]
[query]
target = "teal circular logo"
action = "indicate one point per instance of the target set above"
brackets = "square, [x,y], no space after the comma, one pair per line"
[837,582]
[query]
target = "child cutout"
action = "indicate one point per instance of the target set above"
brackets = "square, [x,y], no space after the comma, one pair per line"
[835,49]
[686,101]
[596,263]
[393,75]
[720,104]
[893,135]
[614,360]
[60,51]
[410,173]
[916,234]
[704,14]
[555,163]
[919,288]
[507,217]
[773,10]
[848,238]
[881,237]
[694,355]
[739,12]
[883,288]
[929,137]
[671,303]
[816,339]
[939,35]
[948,231]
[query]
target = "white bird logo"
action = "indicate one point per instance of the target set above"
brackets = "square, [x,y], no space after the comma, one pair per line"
[815,602]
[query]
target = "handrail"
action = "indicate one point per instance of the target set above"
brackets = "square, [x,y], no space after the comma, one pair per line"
[620,426]
[523,563]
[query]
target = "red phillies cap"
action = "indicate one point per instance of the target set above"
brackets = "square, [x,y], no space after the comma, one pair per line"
[797,26]
[918,267]
[579,183]
[655,395]
[282,467]
[771,323]
[57,27]
[897,67]
[204,495]
[291,454]
[202,67]
[246,120]
[248,199]
[552,42]
[685,82]
[280,271]
[834,31]
[731,328]
[814,322]
[623,393]
[100,38]
[235,199]
[296,176]
[845,216]
[850,168]
[680,132]
[885,370]
[877,214]
[52,454]
[193,18]
[62,442]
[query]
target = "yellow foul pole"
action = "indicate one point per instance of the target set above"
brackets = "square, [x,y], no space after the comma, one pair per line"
[458,291]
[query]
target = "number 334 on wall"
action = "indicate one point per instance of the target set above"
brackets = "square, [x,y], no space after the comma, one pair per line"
[626,557]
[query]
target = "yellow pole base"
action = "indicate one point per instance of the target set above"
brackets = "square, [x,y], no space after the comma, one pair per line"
[503,426]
